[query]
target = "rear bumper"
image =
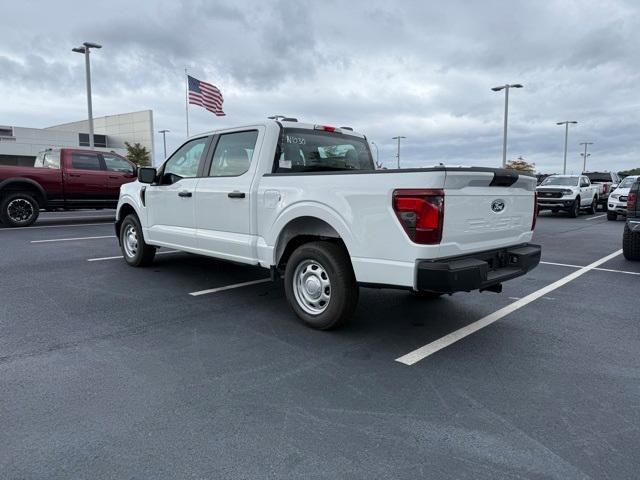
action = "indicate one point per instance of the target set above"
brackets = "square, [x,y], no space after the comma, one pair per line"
[477,271]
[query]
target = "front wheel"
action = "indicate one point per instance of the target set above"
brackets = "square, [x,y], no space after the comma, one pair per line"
[134,249]
[19,209]
[320,285]
[630,244]
[574,211]
[612,216]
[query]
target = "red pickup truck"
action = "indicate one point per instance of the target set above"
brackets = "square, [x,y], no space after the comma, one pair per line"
[64,178]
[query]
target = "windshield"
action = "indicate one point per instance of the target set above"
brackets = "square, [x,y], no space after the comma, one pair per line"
[599,176]
[563,181]
[627,182]
[303,150]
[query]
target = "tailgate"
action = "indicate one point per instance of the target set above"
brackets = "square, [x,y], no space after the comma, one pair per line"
[485,209]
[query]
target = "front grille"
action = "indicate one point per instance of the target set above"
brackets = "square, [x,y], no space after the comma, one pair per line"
[549,194]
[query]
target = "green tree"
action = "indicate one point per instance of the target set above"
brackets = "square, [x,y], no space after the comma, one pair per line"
[626,173]
[521,165]
[138,154]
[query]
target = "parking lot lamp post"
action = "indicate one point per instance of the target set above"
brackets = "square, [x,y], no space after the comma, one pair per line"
[566,138]
[84,49]
[164,140]
[585,155]
[398,154]
[506,116]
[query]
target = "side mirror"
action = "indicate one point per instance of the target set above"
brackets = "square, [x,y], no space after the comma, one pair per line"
[146,174]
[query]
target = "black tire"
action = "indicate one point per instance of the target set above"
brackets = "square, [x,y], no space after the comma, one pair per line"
[630,244]
[19,209]
[593,208]
[426,295]
[140,255]
[333,261]
[612,216]
[575,208]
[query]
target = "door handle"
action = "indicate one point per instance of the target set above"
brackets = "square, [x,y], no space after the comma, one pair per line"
[236,195]
[110,176]
[74,174]
[185,193]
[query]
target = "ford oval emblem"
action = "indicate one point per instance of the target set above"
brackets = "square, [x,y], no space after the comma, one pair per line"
[497,205]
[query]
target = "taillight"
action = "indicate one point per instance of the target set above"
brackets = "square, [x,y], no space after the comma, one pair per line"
[632,199]
[535,210]
[421,213]
[327,128]
[605,188]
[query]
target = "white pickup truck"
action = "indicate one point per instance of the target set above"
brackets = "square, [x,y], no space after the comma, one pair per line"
[306,202]
[571,193]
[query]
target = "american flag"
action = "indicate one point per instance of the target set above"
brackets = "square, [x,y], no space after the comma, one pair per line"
[205,95]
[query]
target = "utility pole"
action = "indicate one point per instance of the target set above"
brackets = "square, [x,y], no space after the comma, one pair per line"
[506,116]
[398,154]
[84,49]
[566,139]
[585,155]
[164,141]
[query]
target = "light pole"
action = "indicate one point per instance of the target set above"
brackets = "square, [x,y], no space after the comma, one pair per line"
[566,138]
[164,140]
[377,153]
[585,155]
[84,49]
[506,116]
[398,154]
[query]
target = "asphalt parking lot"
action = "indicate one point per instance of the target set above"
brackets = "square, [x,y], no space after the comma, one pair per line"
[107,371]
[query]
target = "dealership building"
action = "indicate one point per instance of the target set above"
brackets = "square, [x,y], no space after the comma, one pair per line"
[21,145]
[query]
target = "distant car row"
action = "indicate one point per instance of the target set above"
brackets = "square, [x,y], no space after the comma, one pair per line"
[572,193]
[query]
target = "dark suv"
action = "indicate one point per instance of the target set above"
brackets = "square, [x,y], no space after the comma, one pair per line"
[631,236]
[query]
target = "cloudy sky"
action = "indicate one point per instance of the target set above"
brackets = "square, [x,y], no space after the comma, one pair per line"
[414,68]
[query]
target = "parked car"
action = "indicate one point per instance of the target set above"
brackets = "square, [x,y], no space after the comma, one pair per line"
[306,202]
[570,193]
[631,235]
[617,204]
[65,178]
[606,182]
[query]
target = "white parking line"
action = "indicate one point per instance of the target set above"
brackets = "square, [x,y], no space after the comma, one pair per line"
[597,216]
[433,347]
[71,239]
[11,229]
[120,256]
[599,269]
[229,287]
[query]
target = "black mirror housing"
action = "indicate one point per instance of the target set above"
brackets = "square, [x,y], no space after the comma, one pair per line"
[147,174]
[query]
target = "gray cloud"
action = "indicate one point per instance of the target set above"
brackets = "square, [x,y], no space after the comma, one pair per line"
[418,69]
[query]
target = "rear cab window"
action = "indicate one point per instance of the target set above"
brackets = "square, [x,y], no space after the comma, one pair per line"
[306,150]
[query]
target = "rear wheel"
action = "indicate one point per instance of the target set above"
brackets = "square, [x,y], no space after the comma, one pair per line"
[612,216]
[320,285]
[574,211]
[630,244]
[19,209]
[134,249]
[594,206]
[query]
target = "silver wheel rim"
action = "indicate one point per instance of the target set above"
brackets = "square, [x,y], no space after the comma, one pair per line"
[20,210]
[311,287]
[130,241]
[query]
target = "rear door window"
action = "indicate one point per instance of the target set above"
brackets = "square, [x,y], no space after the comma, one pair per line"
[85,161]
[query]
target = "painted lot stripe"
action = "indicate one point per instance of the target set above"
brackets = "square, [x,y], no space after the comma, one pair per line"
[229,287]
[598,269]
[433,347]
[71,239]
[11,229]
[597,216]
[120,256]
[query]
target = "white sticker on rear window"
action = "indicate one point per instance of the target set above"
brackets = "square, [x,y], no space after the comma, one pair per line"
[296,140]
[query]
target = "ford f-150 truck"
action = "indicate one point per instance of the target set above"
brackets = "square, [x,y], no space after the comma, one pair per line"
[306,202]
[62,178]
[567,192]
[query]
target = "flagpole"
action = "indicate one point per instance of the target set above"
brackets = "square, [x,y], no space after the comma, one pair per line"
[186,97]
